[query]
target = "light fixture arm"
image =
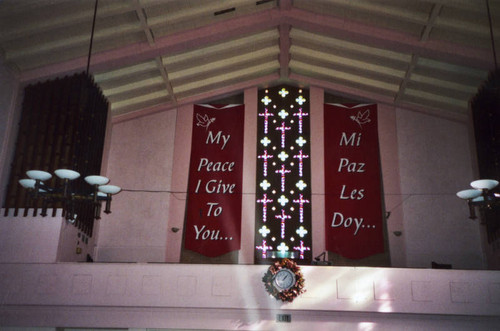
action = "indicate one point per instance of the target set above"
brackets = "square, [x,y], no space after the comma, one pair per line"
[65,195]
[481,195]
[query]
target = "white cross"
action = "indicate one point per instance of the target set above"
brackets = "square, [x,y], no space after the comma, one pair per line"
[266,100]
[283,248]
[301,141]
[300,231]
[283,156]
[264,231]
[300,100]
[301,185]
[283,114]
[265,141]
[265,184]
[283,200]
[283,92]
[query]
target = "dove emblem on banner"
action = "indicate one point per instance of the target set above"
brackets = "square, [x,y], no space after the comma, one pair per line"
[362,117]
[204,121]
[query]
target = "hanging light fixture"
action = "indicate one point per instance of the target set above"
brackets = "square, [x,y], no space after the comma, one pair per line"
[481,195]
[101,192]
[71,196]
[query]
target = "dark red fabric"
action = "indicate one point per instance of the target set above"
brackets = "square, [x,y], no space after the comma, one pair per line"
[353,203]
[213,225]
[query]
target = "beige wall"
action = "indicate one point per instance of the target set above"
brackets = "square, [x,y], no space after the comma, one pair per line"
[140,161]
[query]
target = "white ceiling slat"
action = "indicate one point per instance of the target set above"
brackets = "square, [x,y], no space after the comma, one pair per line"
[460,104]
[133,85]
[457,86]
[347,61]
[228,72]
[344,76]
[79,37]
[304,35]
[168,15]
[187,62]
[172,60]
[14,27]
[125,71]
[140,99]
[270,52]
[266,67]
[440,65]
[387,9]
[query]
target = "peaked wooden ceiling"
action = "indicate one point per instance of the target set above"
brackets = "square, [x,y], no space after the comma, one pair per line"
[147,55]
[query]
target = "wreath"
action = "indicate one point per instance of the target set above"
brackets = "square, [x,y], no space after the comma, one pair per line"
[284,295]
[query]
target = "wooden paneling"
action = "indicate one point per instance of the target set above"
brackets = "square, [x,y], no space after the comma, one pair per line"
[62,125]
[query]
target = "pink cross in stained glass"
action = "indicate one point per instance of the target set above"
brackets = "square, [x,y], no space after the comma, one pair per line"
[300,115]
[266,114]
[283,217]
[264,248]
[301,202]
[283,129]
[264,201]
[302,249]
[283,172]
[301,157]
[265,156]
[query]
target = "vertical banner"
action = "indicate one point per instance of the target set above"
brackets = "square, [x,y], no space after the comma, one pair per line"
[213,225]
[283,187]
[353,203]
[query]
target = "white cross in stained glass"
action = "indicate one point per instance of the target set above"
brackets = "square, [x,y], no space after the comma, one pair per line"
[301,185]
[283,156]
[265,184]
[301,231]
[283,92]
[301,141]
[265,141]
[283,200]
[300,100]
[283,114]
[264,231]
[266,100]
[283,248]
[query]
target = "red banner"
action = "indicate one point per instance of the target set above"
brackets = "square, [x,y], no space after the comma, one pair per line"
[213,225]
[353,203]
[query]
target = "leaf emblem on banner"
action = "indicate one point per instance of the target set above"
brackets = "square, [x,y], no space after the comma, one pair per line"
[204,121]
[362,117]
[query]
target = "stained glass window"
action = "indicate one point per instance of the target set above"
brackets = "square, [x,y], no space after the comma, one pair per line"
[283,189]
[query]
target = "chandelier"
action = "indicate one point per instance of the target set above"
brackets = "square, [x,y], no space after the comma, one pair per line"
[481,195]
[66,195]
